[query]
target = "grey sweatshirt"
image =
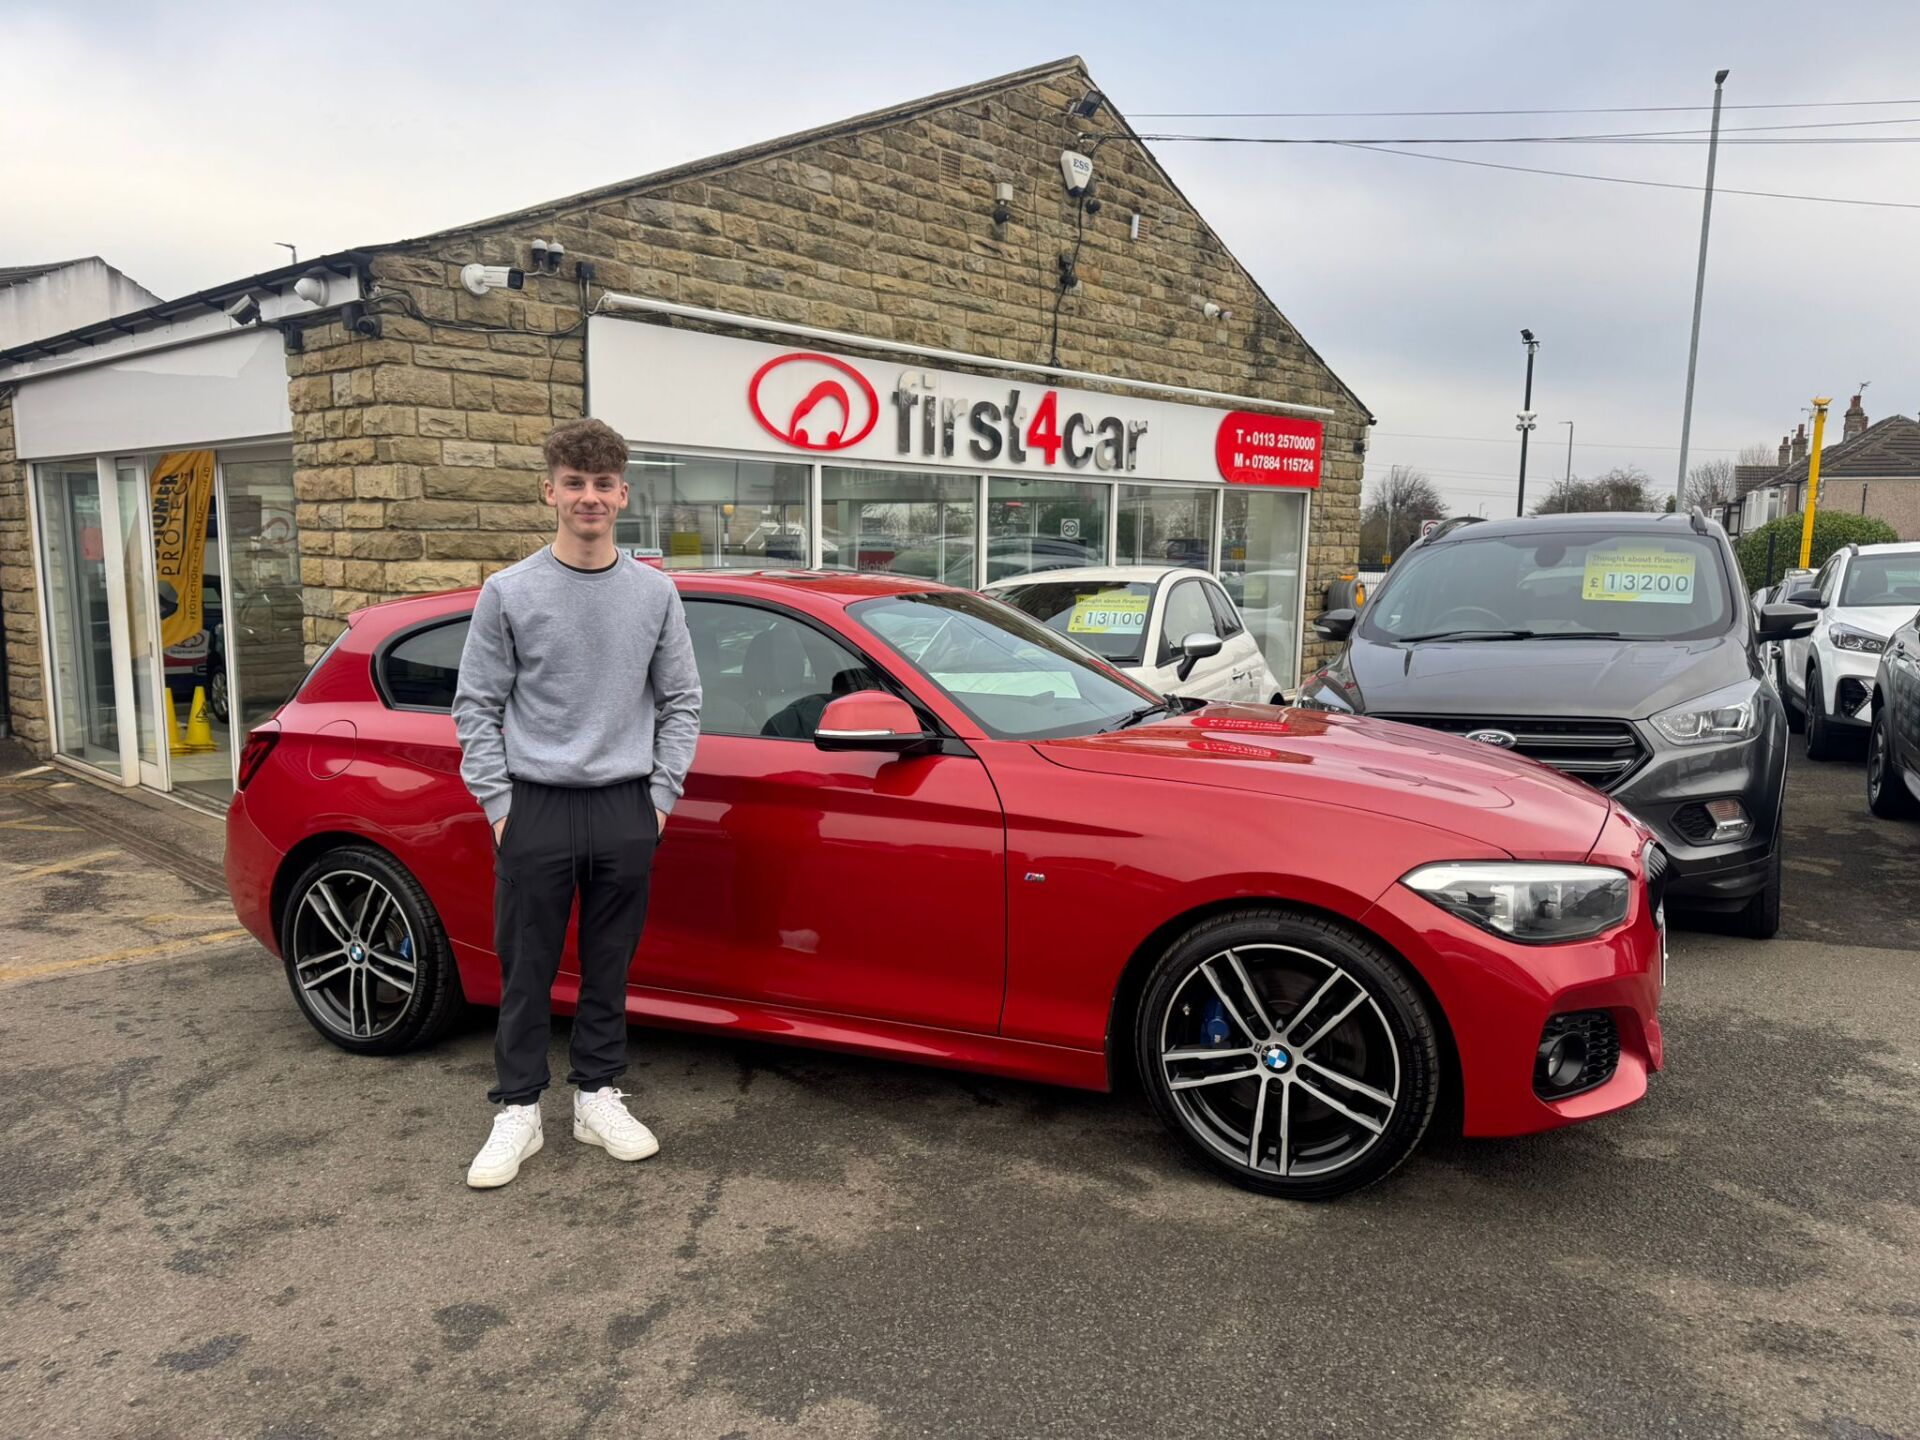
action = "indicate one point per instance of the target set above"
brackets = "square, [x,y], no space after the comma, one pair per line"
[574,677]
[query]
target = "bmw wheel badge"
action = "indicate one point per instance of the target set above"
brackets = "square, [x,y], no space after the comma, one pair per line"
[1276,1058]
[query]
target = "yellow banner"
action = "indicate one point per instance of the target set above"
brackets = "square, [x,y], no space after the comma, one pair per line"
[1639,573]
[182,487]
[1109,612]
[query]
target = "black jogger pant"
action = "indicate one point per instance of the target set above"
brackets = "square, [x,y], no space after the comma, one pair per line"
[597,843]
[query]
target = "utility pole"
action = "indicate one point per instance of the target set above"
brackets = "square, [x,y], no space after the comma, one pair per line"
[1699,293]
[1567,507]
[1813,481]
[1526,419]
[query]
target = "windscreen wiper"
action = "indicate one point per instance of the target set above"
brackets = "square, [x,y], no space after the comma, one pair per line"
[1467,635]
[1134,717]
[1577,635]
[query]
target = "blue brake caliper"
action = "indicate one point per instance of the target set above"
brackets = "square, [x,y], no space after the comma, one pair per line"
[406,947]
[1214,1024]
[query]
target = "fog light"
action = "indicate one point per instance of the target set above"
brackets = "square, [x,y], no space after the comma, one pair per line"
[1730,820]
[1560,1061]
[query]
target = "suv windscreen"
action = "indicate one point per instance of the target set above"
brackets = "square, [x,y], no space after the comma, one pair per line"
[1666,586]
[1882,580]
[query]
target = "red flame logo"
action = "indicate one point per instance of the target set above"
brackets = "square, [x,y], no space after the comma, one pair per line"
[840,394]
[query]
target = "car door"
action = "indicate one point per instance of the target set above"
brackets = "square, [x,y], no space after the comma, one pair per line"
[1247,667]
[857,882]
[1185,611]
[1903,697]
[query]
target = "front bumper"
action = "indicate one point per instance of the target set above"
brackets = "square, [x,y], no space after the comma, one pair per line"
[1498,996]
[1846,680]
[1668,794]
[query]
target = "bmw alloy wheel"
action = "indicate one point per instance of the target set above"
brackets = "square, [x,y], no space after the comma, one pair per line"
[352,953]
[1289,1053]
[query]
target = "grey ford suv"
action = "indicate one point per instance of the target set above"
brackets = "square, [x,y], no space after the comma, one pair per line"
[1620,649]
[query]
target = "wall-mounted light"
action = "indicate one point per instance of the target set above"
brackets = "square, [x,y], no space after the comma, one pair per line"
[1002,202]
[1088,105]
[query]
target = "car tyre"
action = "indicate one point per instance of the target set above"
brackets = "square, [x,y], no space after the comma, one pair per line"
[1759,918]
[217,693]
[1887,793]
[1822,742]
[401,990]
[1275,1013]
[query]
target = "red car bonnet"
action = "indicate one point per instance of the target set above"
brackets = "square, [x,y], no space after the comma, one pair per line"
[1527,809]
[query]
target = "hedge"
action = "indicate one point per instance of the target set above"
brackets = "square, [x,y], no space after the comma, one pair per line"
[1831,530]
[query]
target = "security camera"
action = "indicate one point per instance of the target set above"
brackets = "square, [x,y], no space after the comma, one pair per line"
[355,320]
[1215,312]
[312,288]
[244,310]
[1077,170]
[479,279]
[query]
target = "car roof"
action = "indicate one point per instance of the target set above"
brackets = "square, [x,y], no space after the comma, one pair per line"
[1603,522]
[1889,547]
[834,587]
[1132,574]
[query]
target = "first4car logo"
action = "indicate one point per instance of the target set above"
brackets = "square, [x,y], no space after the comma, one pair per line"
[813,401]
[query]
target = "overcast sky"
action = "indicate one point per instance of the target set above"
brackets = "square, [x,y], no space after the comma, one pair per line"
[180,141]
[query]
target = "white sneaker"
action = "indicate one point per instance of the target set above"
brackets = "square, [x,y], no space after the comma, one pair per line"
[600,1119]
[516,1135]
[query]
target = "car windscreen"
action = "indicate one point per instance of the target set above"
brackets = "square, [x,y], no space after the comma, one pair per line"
[1544,584]
[1012,675]
[1109,617]
[1882,580]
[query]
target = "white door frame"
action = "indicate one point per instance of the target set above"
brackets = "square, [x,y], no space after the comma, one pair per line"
[159,775]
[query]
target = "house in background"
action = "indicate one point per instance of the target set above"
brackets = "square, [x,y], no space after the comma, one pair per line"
[1873,470]
[41,301]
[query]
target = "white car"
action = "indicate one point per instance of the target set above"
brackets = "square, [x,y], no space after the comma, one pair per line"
[1863,593]
[1171,628]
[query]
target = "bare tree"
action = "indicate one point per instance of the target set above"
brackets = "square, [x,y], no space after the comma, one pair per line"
[1759,455]
[1710,484]
[1395,508]
[1625,487]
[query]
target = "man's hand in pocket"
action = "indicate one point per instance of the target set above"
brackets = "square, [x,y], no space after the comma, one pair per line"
[660,820]
[499,830]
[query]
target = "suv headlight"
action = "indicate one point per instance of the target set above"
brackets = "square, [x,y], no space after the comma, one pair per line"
[1536,904]
[1729,714]
[1845,637]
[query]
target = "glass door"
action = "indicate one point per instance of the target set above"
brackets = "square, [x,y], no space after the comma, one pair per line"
[135,557]
[1264,532]
[72,507]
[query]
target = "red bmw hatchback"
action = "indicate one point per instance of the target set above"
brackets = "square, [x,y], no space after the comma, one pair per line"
[921,825]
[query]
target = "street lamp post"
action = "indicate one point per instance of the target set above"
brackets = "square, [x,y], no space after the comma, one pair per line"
[1568,494]
[1526,419]
[1699,292]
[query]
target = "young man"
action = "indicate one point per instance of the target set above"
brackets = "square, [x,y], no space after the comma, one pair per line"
[578,708]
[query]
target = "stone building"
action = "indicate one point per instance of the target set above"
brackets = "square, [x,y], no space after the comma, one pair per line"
[895,342]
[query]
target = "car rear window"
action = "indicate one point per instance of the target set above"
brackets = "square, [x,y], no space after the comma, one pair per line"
[1109,617]
[421,670]
[1637,585]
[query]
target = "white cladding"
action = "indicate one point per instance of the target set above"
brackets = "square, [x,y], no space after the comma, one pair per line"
[211,392]
[660,386]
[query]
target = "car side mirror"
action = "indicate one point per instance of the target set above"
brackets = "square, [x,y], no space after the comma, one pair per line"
[1198,646]
[1809,598]
[1335,624]
[1786,622]
[870,720]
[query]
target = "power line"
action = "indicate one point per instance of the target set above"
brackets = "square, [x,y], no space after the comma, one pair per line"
[1408,114]
[1650,184]
[1612,137]
[1578,444]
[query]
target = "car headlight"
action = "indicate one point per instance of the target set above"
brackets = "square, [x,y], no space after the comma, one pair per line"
[1845,637]
[1536,904]
[1729,714]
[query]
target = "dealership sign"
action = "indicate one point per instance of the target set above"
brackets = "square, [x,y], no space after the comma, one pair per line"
[665,387]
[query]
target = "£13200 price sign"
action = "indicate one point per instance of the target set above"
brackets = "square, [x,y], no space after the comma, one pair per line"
[1650,576]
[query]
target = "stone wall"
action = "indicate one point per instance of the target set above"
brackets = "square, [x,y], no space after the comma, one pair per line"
[26,694]
[416,453]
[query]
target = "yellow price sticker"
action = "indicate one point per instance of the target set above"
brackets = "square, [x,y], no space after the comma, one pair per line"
[1642,574]
[1111,612]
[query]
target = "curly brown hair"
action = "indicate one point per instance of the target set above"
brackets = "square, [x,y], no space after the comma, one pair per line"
[591,446]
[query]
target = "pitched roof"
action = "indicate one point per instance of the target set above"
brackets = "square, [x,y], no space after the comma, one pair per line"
[1887,449]
[20,274]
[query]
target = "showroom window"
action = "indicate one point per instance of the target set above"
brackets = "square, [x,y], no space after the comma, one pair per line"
[900,521]
[700,512]
[1261,534]
[1165,525]
[1044,525]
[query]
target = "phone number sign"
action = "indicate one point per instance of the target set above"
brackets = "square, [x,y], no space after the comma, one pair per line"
[1269,450]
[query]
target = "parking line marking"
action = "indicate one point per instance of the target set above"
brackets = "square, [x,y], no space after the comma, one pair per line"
[58,867]
[8,975]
